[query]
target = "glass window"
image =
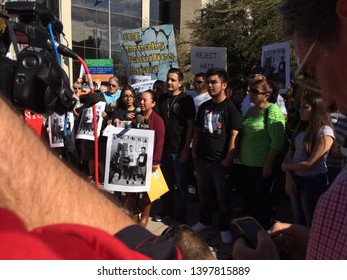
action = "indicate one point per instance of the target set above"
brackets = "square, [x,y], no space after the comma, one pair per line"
[77,2]
[125,22]
[154,11]
[103,6]
[77,26]
[102,30]
[136,23]
[136,8]
[90,31]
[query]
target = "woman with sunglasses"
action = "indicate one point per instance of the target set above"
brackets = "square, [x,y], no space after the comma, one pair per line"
[305,163]
[262,140]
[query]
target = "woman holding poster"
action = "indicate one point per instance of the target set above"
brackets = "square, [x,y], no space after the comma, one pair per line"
[151,120]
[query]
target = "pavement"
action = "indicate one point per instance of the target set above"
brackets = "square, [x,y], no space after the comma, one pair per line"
[221,251]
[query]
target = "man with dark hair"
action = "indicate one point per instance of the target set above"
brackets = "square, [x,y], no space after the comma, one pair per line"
[217,124]
[201,90]
[319,33]
[142,162]
[178,112]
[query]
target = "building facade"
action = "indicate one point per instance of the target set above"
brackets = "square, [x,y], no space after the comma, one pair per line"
[92,30]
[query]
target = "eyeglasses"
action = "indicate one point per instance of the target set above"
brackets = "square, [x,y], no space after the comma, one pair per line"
[212,82]
[198,82]
[112,85]
[256,91]
[303,79]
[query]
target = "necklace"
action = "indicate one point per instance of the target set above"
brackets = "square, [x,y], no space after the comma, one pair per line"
[169,107]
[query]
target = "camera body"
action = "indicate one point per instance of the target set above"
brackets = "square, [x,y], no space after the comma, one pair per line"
[35,81]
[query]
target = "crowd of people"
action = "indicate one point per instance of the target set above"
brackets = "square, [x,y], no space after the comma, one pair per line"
[207,129]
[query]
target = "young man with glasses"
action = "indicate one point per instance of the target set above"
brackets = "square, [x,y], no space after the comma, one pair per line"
[319,33]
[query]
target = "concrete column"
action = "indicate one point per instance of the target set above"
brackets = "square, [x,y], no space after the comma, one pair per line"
[65,17]
[145,13]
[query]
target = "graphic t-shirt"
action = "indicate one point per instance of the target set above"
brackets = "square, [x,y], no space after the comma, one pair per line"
[215,122]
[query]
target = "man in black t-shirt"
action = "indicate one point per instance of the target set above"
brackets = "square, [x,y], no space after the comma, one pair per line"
[178,112]
[217,124]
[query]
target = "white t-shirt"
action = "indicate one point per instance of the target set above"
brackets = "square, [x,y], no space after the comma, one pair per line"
[199,99]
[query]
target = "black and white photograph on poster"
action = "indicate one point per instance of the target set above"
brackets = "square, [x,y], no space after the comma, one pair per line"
[86,126]
[143,86]
[129,156]
[57,127]
[275,61]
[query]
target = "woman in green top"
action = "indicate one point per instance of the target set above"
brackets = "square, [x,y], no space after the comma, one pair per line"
[262,141]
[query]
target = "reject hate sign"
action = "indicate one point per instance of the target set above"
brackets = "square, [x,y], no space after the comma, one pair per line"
[204,58]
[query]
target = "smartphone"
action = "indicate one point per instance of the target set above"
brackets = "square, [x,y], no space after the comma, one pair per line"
[248,228]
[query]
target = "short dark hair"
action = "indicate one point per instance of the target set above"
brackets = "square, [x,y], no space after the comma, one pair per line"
[220,72]
[190,244]
[311,20]
[201,74]
[178,72]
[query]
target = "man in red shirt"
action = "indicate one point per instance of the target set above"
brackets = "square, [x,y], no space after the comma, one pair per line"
[47,211]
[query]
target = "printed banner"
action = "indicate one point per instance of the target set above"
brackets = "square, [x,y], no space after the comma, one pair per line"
[149,51]
[35,121]
[100,69]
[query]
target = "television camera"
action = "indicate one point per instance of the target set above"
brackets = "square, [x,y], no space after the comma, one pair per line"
[35,80]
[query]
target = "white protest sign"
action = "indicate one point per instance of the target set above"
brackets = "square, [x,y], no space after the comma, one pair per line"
[204,58]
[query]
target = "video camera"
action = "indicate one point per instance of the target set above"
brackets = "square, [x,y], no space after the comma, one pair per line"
[35,81]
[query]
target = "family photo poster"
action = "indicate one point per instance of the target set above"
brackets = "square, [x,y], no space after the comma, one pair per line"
[129,155]
[276,63]
[56,126]
[86,126]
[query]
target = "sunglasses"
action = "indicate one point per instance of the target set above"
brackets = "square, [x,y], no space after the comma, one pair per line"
[75,88]
[304,80]
[256,91]
[112,85]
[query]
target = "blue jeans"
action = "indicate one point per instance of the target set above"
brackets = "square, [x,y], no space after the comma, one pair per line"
[212,177]
[309,189]
[176,174]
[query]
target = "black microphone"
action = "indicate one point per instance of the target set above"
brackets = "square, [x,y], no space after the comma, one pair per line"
[139,120]
[63,49]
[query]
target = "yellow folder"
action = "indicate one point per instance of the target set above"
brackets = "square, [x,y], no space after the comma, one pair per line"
[158,185]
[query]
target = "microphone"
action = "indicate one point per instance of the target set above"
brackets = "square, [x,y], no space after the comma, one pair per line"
[139,120]
[63,49]
[138,110]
